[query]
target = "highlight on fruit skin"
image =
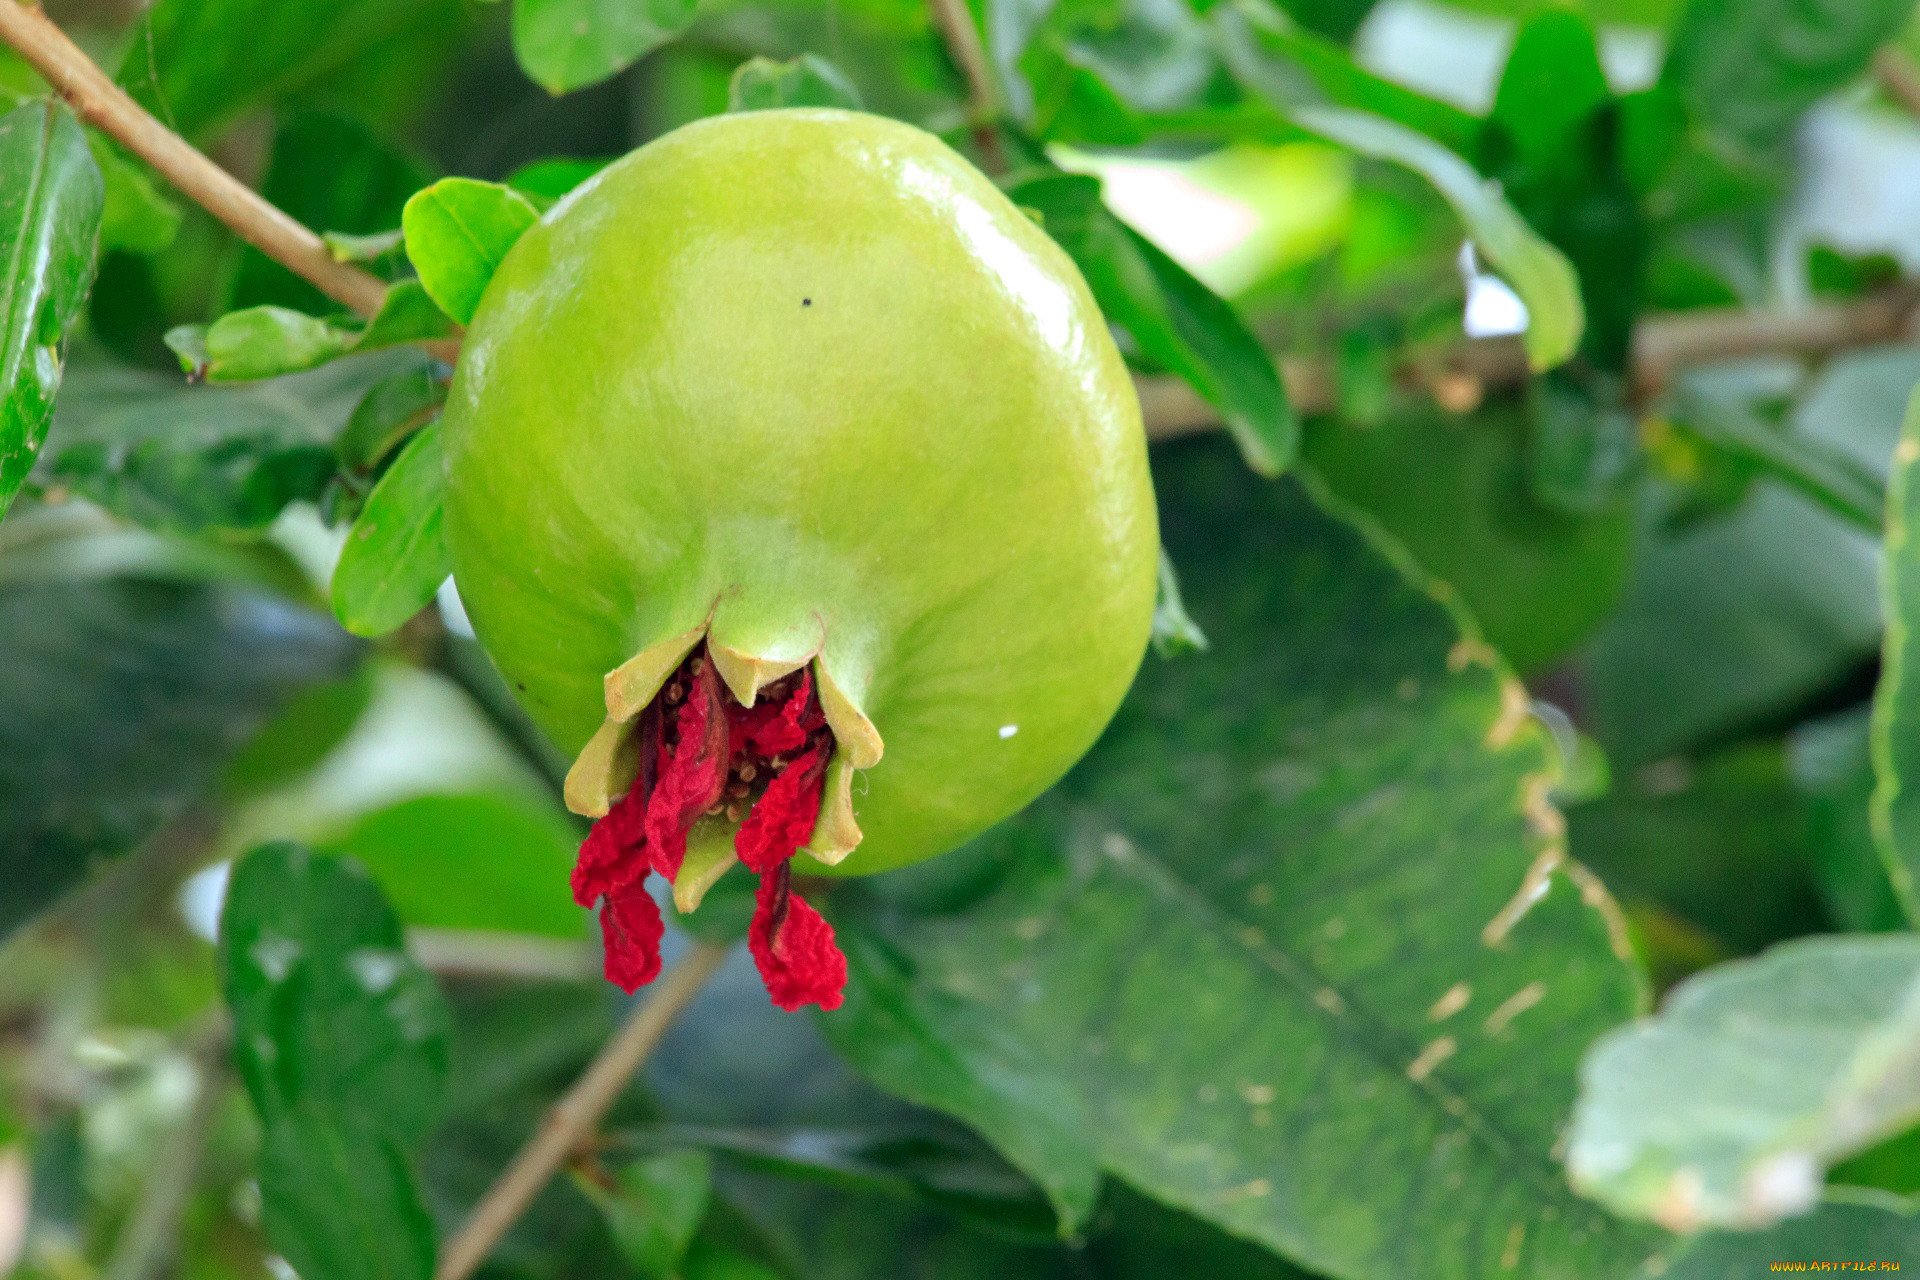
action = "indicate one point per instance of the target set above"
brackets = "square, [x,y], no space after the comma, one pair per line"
[796,484]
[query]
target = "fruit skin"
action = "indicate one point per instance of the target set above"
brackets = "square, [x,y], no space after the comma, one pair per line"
[809,375]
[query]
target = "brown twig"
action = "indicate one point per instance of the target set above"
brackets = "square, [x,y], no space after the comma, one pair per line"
[572,1119]
[1898,77]
[103,104]
[1665,346]
[954,21]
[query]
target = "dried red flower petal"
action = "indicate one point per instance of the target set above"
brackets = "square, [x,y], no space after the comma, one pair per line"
[631,930]
[692,772]
[793,947]
[783,818]
[778,728]
[614,853]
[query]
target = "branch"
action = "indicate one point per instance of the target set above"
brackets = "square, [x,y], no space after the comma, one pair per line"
[103,104]
[457,954]
[572,1119]
[954,21]
[1665,346]
[151,1237]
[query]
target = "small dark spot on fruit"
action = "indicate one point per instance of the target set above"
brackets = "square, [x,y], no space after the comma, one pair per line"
[806,302]
[521,687]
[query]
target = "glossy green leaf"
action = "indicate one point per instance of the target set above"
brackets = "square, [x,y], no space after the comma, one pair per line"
[568,44]
[391,411]
[761,84]
[458,231]
[342,1042]
[50,201]
[1896,701]
[1274,964]
[1749,69]
[188,458]
[120,701]
[1875,1231]
[1173,319]
[545,181]
[1536,270]
[395,557]
[1728,1107]
[654,1208]
[269,341]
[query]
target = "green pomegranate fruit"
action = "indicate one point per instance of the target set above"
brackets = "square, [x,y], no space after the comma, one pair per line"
[795,482]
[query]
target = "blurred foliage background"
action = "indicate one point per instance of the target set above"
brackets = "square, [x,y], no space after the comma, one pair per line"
[1592,323]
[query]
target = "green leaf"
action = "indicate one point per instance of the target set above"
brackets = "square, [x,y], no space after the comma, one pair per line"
[135,215]
[391,411]
[1536,270]
[50,201]
[654,1208]
[342,1041]
[545,181]
[1552,83]
[120,701]
[1727,1108]
[339,1201]
[1851,1226]
[1174,633]
[396,557]
[762,84]
[1749,69]
[568,44]
[1291,69]
[1172,318]
[197,64]
[1455,491]
[1362,851]
[337,175]
[190,458]
[1823,474]
[458,232]
[487,860]
[1896,701]
[269,341]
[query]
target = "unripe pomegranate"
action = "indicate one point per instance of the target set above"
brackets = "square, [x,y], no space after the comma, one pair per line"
[796,484]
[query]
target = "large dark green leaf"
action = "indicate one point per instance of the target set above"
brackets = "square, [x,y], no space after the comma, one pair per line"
[1749,69]
[569,44]
[1851,1226]
[342,1041]
[1274,963]
[50,201]
[120,700]
[1172,318]
[1727,1109]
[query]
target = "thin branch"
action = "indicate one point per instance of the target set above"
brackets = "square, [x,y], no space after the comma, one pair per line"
[1898,77]
[954,21]
[1665,346]
[458,954]
[103,104]
[572,1119]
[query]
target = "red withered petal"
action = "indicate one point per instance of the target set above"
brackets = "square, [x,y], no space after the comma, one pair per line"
[631,929]
[783,817]
[778,728]
[614,853]
[692,773]
[793,947]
